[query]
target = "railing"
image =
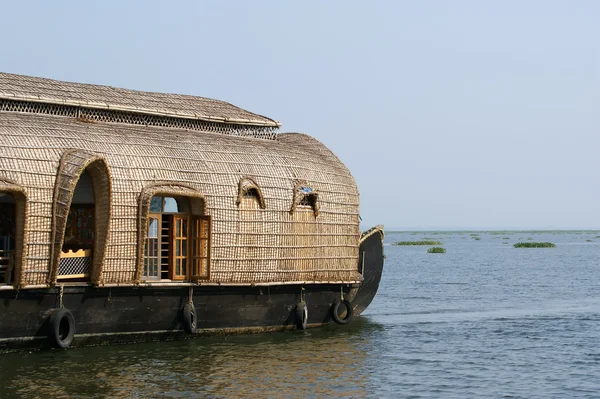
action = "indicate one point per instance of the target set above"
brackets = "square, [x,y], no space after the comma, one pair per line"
[76,264]
[6,265]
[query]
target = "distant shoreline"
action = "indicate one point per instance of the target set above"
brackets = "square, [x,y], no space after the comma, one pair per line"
[491,230]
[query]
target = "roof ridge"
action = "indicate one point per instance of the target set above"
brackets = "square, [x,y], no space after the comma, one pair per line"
[44,90]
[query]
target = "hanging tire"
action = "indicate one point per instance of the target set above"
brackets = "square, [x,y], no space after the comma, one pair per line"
[61,327]
[336,308]
[301,316]
[189,318]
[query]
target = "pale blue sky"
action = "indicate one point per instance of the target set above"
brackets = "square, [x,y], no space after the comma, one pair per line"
[462,114]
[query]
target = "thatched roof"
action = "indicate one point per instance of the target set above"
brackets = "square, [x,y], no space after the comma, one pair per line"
[26,88]
[43,155]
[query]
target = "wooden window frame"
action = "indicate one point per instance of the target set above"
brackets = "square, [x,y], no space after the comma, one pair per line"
[187,218]
[21,200]
[179,236]
[197,242]
[156,256]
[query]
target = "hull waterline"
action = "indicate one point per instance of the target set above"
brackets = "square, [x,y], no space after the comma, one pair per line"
[135,314]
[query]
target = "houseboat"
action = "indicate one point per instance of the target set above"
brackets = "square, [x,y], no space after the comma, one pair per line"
[128,216]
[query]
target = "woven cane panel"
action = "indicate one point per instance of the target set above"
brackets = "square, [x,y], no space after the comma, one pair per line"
[249,244]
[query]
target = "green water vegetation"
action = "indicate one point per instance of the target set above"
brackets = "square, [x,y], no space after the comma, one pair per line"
[505,242]
[506,238]
[477,238]
[436,250]
[534,245]
[474,235]
[589,240]
[423,242]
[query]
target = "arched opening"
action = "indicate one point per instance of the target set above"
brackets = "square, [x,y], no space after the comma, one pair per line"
[305,197]
[81,218]
[7,236]
[300,243]
[255,248]
[310,200]
[78,245]
[13,202]
[248,188]
[175,235]
[250,240]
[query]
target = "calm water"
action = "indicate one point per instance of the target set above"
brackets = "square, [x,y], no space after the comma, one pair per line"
[483,320]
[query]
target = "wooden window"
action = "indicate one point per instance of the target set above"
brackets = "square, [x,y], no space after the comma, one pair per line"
[7,234]
[151,248]
[180,244]
[79,229]
[177,244]
[200,239]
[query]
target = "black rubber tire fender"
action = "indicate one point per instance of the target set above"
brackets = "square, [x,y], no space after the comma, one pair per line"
[189,318]
[335,311]
[61,328]
[301,315]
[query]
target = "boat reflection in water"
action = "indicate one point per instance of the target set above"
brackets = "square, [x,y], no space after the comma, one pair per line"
[331,361]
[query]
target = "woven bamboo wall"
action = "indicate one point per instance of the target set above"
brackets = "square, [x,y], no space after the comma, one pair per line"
[249,244]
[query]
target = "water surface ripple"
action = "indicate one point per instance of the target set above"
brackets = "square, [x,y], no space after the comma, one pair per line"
[483,320]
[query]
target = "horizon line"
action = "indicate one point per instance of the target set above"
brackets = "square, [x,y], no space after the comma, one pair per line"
[398,229]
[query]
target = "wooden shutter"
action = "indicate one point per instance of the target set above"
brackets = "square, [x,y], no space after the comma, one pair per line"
[200,244]
[180,248]
[152,248]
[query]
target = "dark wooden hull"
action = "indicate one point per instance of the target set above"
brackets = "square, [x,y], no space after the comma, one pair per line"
[131,314]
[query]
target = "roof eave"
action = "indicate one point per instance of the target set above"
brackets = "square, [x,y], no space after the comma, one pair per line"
[94,105]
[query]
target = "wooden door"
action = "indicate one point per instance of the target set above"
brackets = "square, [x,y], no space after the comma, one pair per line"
[180,248]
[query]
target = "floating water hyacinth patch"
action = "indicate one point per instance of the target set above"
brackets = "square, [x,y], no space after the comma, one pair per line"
[436,250]
[534,245]
[423,242]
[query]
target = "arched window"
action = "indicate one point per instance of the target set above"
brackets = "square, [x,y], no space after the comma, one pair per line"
[13,202]
[248,188]
[252,242]
[175,234]
[305,196]
[81,217]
